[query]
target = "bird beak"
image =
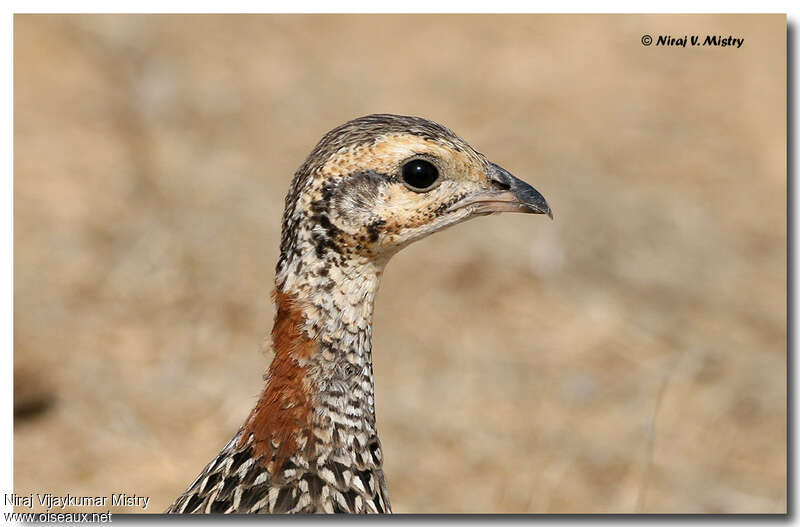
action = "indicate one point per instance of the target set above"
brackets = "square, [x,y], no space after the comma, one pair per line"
[510,194]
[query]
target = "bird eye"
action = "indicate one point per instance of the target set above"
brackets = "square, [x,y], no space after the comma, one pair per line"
[420,175]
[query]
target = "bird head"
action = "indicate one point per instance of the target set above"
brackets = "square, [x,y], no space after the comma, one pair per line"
[375,184]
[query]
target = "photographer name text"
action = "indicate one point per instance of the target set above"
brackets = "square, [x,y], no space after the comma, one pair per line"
[51,501]
[720,41]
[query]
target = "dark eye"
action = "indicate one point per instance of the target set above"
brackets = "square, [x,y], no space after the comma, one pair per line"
[419,174]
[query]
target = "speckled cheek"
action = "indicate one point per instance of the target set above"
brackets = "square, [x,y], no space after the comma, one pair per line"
[397,207]
[404,209]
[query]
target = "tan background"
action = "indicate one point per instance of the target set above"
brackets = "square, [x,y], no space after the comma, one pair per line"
[628,356]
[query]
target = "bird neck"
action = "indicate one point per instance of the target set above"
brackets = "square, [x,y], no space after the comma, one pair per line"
[336,299]
[319,395]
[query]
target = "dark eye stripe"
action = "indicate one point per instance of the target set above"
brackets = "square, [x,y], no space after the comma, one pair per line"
[419,174]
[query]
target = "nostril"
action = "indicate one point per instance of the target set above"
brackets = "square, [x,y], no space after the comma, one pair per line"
[499,185]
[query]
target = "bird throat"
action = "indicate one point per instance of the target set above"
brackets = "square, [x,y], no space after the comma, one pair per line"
[318,402]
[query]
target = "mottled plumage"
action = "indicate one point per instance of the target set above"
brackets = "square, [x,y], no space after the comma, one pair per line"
[369,188]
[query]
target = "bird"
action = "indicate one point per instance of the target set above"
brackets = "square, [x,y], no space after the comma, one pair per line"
[369,188]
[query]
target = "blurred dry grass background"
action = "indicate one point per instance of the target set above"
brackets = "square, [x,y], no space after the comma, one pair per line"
[629,356]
